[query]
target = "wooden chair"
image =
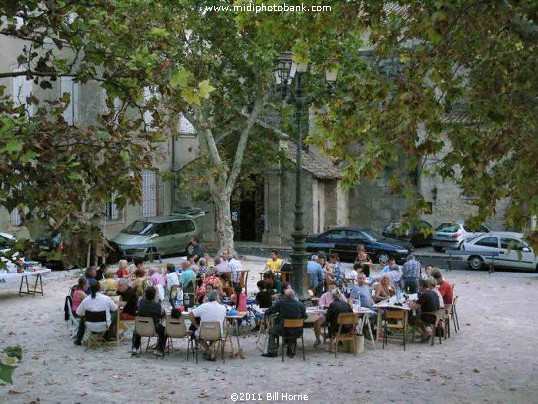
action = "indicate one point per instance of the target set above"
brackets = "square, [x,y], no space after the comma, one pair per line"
[97,339]
[453,314]
[400,323]
[350,319]
[290,326]
[211,331]
[175,328]
[145,327]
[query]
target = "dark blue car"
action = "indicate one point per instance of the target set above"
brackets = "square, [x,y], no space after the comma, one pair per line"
[344,241]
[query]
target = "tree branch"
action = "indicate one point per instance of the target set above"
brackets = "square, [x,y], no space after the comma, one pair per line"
[243,139]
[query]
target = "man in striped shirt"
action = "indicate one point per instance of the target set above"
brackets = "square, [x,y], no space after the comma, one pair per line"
[410,274]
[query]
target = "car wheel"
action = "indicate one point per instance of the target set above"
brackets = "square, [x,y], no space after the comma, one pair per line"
[382,257]
[189,249]
[437,249]
[475,262]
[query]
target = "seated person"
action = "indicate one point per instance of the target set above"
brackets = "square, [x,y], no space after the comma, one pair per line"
[123,271]
[274,263]
[100,272]
[221,266]
[90,274]
[175,313]
[445,288]
[198,250]
[264,300]
[337,306]
[210,279]
[140,282]
[211,311]
[96,302]
[139,264]
[272,284]
[428,301]
[286,308]
[110,281]
[324,302]
[188,276]
[384,290]
[78,294]
[156,277]
[171,278]
[338,270]
[128,299]
[350,276]
[202,265]
[239,298]
[361,291]
[391,264]
[148,307]
[427,272]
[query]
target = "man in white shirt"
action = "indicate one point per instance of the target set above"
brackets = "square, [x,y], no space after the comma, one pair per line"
[235,267]
[96,302]
[210,311]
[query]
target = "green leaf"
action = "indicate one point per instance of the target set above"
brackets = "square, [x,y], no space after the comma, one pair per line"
[205,89]
[180,78]
[159,32]
[124,154]
[14,145]
[190,96]
[6,373]
[74,176]
[102,135]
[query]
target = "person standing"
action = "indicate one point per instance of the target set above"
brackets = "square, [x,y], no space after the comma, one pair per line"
[411,274]
[316,275]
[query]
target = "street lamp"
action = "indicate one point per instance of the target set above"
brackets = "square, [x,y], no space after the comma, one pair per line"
[286,73]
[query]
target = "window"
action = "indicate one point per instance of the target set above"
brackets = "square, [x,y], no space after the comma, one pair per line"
[354,235]
[183,226]
[22,90]
[337,235]
[112,211]
[67,85]
[15,217]
[488,242]
[512,244]
[149,193]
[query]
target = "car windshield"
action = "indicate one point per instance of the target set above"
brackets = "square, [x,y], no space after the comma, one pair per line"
[448,228]
[139,228]
[372,234]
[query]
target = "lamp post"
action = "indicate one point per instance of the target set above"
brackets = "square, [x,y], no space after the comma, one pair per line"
[286,73]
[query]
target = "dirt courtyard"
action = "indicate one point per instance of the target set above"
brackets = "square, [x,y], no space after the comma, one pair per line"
[492,359]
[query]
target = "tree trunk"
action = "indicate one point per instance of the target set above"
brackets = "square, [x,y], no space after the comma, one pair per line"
[223,226]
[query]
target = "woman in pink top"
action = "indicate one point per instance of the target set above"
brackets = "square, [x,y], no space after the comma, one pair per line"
[79,294]
[240,299]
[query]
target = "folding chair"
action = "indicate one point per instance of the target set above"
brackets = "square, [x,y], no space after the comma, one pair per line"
[400,318]
[290,326]
[211,331]
[145,327]
[350,319]
[96,338]
[175,328]
[71,320]
[437,316]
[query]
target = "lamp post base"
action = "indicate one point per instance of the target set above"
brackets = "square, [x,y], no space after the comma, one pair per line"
[298,265]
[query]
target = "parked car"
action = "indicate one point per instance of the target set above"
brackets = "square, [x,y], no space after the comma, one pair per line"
[170,234]
[452,235]
[6,240]
[344,241]
[513,252]
[418,235]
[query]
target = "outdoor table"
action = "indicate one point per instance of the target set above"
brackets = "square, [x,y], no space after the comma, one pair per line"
[392,304]
[24,279]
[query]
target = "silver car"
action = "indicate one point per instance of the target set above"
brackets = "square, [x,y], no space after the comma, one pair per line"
[170,234]
[452,235]
[502,251]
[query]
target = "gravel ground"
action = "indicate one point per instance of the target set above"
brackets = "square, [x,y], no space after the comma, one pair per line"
[492,359]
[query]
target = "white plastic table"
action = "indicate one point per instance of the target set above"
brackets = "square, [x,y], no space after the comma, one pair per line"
[24,280]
